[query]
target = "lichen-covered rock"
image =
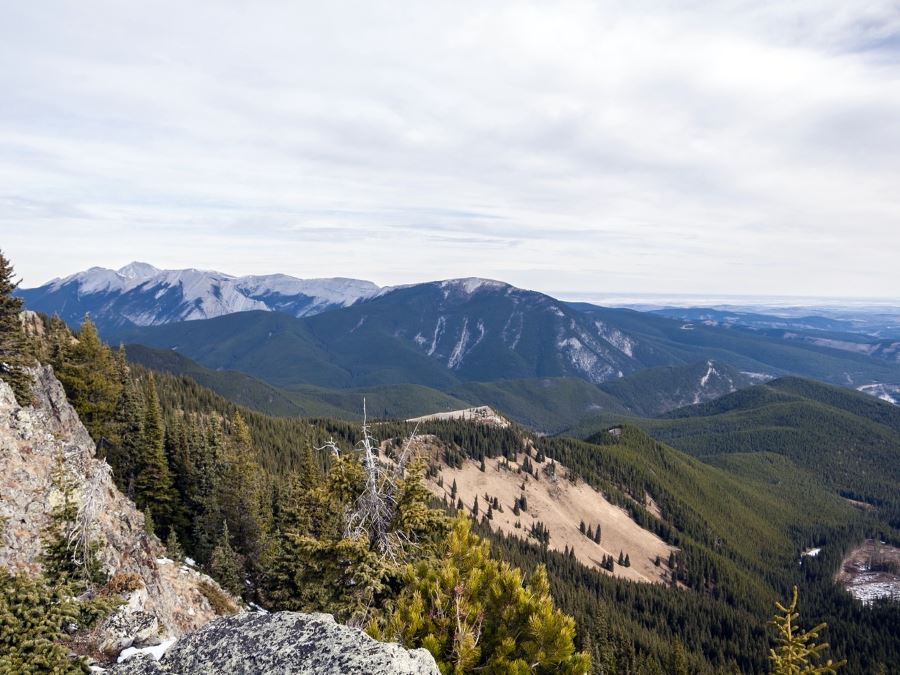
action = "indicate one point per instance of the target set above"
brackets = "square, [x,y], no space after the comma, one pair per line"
[127,628]
[31,441]
[284,642]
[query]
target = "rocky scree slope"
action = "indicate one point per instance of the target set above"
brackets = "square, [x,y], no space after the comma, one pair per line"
[166,598]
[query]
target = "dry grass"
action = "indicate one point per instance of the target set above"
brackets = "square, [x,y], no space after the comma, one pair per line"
[219,601]
[560,506]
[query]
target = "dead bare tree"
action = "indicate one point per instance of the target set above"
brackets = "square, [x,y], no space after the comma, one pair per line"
[79,539]
[376,506]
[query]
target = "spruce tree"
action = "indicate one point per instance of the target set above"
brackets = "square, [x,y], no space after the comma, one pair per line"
[153,482]
[92,382]
[14,356]
[225,564]
[797,651]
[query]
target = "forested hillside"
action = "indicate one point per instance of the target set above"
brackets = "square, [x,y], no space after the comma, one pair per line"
[849,441]
[257,500]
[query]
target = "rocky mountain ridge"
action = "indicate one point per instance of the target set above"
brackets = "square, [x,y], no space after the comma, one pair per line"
[142,295]
[161,598]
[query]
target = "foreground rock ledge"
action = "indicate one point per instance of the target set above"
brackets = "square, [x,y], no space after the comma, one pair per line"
[284,642]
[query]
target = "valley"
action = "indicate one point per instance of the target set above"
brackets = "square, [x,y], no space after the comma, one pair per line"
[665,477]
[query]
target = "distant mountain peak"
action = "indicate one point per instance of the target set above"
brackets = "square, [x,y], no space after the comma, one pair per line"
[470,285]
[138,270]
[141,294]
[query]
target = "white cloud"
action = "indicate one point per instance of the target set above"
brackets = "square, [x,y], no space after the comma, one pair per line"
[595,147]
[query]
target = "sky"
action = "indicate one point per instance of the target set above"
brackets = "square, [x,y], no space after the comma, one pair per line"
[748,148]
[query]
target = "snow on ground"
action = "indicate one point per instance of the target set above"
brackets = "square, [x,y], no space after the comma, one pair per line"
[709,371]
[156,651]
[812,552]
[470,285]
[863,583]
[886,392]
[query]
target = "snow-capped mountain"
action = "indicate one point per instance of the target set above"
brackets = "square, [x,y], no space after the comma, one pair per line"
[142,295]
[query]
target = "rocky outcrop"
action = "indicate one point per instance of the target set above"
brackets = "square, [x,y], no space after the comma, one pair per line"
[286,642]
[162,598]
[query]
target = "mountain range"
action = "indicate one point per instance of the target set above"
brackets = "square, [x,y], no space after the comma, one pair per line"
[140,294]
[338,334]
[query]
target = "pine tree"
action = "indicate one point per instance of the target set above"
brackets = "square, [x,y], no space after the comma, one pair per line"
[225,564]
[33,620]
[14,355]
[678,664]
[125,457]
[474,614]
[797,651]
[173,546]
[242,493]
[90,378]
[153,482]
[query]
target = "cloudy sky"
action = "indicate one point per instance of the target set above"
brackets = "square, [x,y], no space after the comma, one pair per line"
[582,147]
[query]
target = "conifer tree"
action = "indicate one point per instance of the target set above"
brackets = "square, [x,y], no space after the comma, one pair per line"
[14,355]
[90,378]
[173,546]
[125,457]
[797,651]
[33,621]
[153,481]
[474,614]
[678,664]
[225,564]
[242,494]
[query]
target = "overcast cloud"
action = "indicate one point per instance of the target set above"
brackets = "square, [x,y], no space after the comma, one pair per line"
[590,147]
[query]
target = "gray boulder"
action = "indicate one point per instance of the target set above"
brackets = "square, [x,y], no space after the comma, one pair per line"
[283,642]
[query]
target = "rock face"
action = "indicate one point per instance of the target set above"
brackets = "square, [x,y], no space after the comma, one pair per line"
[163,598]
[285,642]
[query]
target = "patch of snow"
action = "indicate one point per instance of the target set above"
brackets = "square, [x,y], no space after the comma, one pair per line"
[456,356]
[505,333]
[709,371]
[616,338]
[886,392]
[812,552]
[762,377]
[556,311]
[156,651]
[470,285]
[359,324]
[190,561]
[438,331]
[163,561]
